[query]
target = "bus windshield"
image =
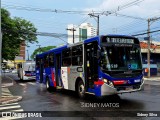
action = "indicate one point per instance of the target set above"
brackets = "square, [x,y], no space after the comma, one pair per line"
[120,58]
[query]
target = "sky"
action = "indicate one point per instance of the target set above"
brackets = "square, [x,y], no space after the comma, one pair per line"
[52,22]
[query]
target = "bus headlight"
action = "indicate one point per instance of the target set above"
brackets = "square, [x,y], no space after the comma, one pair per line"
[105,80]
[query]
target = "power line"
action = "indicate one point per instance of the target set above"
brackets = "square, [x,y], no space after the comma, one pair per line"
[146,33]
[71,11]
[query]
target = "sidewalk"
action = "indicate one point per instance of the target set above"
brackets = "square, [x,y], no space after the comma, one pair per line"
[152,78]
[7,97]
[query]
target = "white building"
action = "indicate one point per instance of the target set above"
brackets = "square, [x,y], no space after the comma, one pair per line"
[82,32]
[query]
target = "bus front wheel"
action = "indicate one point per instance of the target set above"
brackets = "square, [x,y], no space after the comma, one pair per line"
[81,89]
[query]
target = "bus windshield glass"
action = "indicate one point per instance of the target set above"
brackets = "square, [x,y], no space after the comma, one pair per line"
[120,58]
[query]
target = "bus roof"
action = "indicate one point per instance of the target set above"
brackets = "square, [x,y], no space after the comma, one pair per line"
[56,50]
[96,38]
[116,35]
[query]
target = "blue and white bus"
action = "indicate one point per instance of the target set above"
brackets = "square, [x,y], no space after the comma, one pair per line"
[102,65]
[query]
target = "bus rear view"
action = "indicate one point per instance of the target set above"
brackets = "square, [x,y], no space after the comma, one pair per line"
[26,70]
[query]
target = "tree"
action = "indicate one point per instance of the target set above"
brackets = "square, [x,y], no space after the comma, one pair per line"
[14,31]
[40,50]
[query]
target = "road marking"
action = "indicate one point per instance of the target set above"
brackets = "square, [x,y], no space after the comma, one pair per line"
[6,92]
[9,107]
[18,110]
[22,84]
[8,104]
[31,83]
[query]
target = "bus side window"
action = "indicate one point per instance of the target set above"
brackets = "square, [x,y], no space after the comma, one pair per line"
[66,57]
[37,62]
[77,58]
[46,57]
[51,59]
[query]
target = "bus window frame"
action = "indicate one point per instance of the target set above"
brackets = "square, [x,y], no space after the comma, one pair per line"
[66,57]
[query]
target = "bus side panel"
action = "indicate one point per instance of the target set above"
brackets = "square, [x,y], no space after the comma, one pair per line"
[64,74]
[52,77]
[38,74]
[46,74]
[70,75]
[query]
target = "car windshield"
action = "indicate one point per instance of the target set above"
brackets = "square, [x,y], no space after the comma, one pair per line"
[120,58]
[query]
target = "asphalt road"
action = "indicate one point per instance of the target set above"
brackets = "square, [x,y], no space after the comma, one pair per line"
[37,98]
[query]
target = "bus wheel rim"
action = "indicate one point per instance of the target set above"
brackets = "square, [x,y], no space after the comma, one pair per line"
[47,84]
[81,89]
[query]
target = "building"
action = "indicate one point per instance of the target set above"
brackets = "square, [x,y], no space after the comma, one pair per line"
[22,50]
[154,56]
[79,33]
[22,53]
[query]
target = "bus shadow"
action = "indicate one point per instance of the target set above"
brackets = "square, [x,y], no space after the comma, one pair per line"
[123,103]
[88,97]
[24,81]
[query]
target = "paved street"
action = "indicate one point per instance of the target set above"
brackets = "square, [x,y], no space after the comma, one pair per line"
[37,98]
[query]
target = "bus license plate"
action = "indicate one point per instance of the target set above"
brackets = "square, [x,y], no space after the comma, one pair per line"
[129,88]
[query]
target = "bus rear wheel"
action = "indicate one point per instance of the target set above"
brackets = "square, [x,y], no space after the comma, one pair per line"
[81,89]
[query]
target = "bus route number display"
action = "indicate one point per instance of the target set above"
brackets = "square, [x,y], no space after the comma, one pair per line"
[119,40]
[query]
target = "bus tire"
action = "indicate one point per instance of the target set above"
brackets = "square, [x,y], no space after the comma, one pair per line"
[81,89]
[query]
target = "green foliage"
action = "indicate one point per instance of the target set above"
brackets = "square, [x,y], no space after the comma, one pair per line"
[40,50]
[14,31]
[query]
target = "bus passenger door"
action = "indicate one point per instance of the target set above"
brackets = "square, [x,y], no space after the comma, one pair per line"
[91,64]
[58,70]
[41,70]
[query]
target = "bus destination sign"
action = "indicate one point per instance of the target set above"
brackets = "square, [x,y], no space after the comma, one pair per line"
[119,40]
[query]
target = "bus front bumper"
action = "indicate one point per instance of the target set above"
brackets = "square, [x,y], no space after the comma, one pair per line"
[108,90]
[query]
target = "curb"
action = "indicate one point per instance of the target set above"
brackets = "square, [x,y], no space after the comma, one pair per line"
[12,100]
[152,79]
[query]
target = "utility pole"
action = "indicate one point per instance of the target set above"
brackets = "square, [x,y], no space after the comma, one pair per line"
[73,30]
[0,62]
[97,16]
[148,55]
[0,57]
[149,43]
[39,48]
